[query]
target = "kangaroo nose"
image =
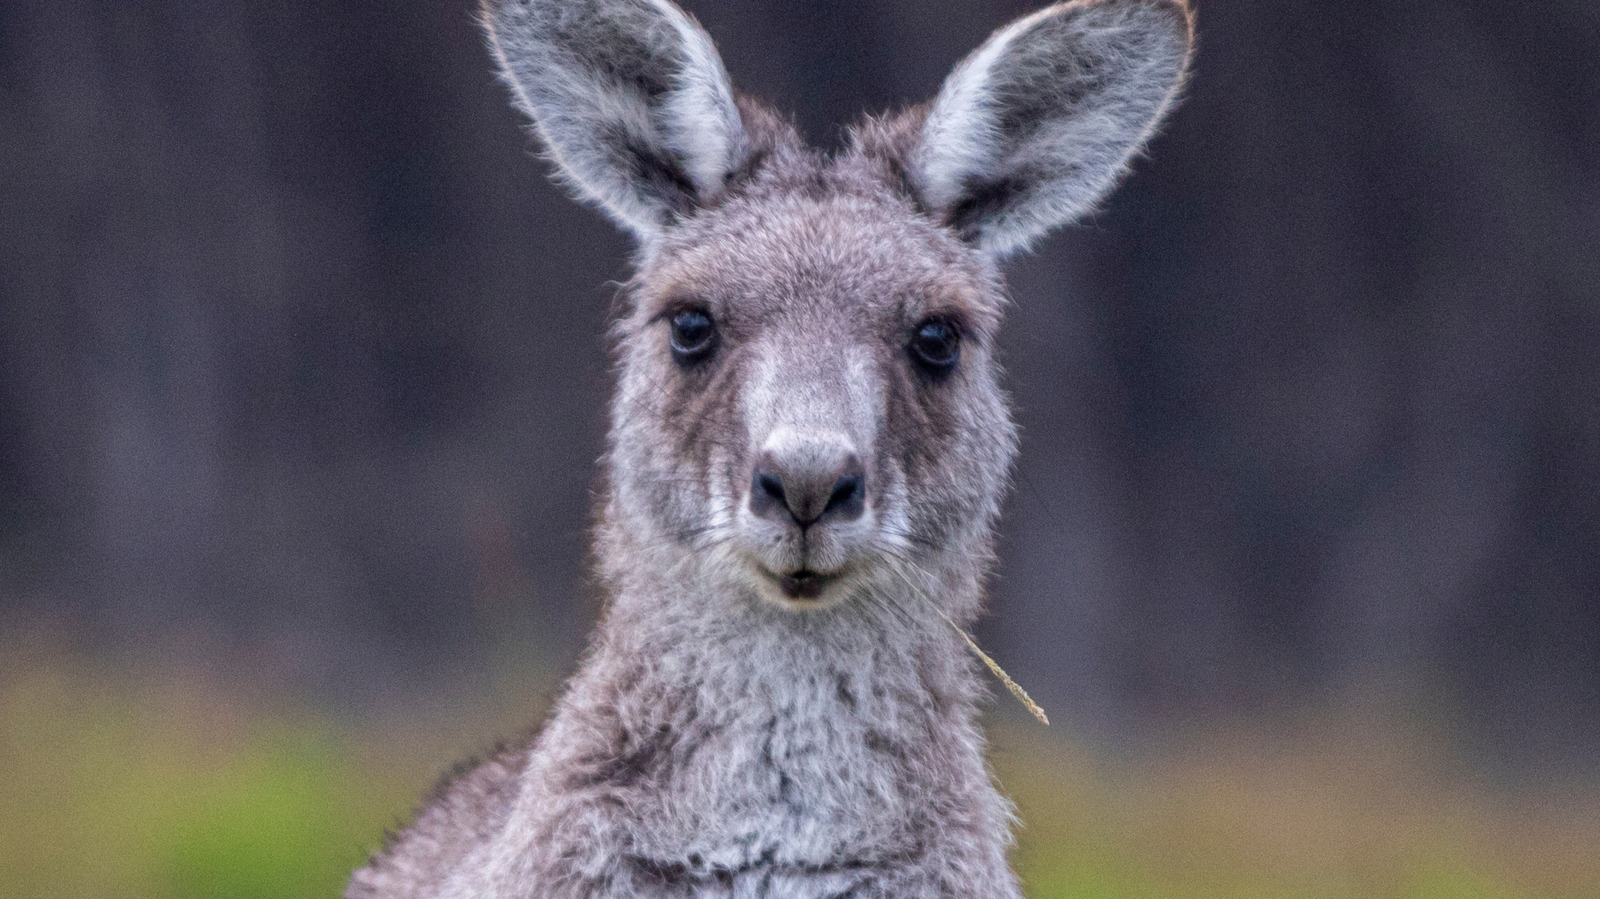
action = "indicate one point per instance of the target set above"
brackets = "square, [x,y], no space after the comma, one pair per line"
[808,489]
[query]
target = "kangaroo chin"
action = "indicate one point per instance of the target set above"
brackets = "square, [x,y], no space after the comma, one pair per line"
[808,449]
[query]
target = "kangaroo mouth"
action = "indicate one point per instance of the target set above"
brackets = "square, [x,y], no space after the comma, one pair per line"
[802,584]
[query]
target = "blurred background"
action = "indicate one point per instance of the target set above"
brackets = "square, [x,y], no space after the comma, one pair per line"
[302,383]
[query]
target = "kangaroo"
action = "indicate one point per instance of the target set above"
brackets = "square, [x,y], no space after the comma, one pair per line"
[808,448]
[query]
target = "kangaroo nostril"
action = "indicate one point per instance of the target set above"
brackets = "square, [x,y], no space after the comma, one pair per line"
[767,496]
[845,490]
[771,484]
[848,497]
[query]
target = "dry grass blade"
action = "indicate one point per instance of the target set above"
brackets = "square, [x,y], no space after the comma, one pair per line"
[1015,688]
[1011,684]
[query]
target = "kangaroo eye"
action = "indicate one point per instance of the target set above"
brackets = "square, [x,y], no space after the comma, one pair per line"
[936,346]
[693,335]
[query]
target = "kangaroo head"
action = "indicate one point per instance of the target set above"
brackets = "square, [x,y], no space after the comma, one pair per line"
[808,395]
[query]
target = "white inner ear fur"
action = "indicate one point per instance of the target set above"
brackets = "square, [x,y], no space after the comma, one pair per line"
[1076,154]
[700,116]
[960,137]
[585,163]
[578,110]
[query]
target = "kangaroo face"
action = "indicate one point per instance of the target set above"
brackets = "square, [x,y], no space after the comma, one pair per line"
[808,385]
[807,396]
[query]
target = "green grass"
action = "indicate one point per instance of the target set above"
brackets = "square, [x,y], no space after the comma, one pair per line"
[135,789]
[156,783]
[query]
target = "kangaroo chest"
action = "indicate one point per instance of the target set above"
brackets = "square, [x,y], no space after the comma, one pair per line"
[817,776]
[787,790]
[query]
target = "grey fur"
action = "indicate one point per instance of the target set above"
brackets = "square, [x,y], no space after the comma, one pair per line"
[725,737]
[1035,127]
[630,99]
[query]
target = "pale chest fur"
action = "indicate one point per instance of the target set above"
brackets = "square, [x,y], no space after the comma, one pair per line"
[790,761]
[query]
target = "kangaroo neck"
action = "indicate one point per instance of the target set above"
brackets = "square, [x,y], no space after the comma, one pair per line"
[734,656]
[771,738]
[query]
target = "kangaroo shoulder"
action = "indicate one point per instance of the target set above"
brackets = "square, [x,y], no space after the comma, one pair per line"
[466,808]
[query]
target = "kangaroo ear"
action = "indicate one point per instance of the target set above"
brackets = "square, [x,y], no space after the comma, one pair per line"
[629,98]
[1036,125]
